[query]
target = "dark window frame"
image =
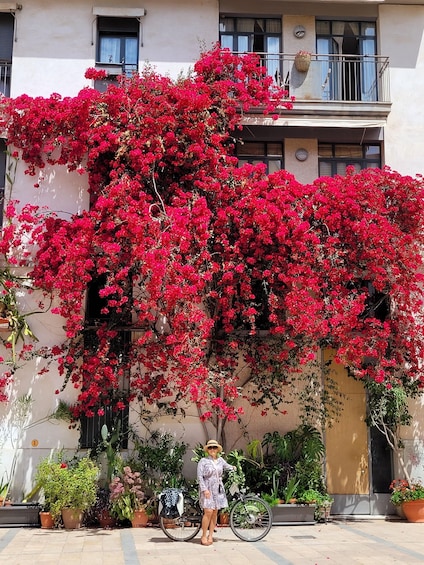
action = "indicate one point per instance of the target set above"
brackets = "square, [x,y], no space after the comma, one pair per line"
[334,161]
[267,158]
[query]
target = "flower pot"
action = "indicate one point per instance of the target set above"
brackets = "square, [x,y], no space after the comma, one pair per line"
[46,519]
[140,519]
[286,514]
[414,510]
[224,518]
[106,520]
[302,62]
[72,518]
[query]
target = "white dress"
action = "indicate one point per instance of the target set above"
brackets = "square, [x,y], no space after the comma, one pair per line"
[209,477]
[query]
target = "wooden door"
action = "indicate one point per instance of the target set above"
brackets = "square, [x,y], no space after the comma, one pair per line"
[347,447]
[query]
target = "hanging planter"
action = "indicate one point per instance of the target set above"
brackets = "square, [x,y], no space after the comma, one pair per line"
[302,61]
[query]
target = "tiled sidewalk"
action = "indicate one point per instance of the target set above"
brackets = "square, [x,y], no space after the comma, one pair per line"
[367,542]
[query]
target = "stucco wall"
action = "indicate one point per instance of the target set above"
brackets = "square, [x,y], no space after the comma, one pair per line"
[55,42]
[401,31]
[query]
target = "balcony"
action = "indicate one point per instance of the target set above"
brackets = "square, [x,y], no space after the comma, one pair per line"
[335,91]
[5,72]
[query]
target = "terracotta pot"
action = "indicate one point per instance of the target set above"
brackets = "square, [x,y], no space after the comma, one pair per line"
[140,519]
[224,518]
[72,518]
[414,510]
[46,519]
[106,520]
[169,523]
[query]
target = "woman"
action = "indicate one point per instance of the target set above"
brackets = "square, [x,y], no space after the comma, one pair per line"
[212,494]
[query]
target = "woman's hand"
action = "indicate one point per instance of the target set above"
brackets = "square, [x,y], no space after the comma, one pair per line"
[206,494]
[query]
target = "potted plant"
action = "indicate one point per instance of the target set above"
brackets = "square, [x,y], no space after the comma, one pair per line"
[410,497]
[321,501]
[127,497]
[69,487]
[302,61]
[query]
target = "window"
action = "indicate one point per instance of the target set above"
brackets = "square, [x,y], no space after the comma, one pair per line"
[258,35]
[115,420]
[348,65]
[6,46]
[333,158]
[255,152]
[2,177]
[118,351]
[118,42]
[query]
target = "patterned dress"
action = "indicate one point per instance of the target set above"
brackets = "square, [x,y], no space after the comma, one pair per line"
[209,477]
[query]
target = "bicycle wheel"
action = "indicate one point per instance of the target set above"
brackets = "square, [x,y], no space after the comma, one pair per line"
[251,518]
[186,526]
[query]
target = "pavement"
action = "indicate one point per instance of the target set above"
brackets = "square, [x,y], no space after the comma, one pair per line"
[338,542]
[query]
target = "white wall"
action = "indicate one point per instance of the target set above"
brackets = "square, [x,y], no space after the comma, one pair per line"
[55,42]
[401,30]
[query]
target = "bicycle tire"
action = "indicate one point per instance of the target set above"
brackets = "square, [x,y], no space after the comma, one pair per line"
[251,518]
[186,526]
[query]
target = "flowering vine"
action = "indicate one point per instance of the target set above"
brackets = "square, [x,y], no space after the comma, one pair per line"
[200,257]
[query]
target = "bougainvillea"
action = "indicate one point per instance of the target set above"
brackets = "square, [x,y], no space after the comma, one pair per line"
[201,262]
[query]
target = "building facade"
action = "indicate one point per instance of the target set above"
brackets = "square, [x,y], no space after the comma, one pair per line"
[357,103]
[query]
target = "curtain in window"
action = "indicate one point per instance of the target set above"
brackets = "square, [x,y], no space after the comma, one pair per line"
[369,91]
[110,50]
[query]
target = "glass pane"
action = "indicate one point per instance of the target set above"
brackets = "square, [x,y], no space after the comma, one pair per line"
[273,26]
[273,44]
[251,148]
[275,149]
[259,26]
[372,150]
[110,50]
[348,151]
[226,24]
[325,150]
[341,168]
[131,50]
[243,43]
[227,42]
[368,29]
[325,169]
[246,24]
[274,166]
[323,27]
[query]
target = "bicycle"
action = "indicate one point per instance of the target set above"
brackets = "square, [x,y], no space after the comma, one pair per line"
[250,518]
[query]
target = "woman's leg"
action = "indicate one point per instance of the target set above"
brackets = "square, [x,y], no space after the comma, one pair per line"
[212,524]
[206,521]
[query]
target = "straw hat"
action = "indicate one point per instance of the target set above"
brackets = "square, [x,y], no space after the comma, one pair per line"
[213,443]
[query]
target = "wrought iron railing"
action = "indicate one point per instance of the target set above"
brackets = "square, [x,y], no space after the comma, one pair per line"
[335,78]
[5,73]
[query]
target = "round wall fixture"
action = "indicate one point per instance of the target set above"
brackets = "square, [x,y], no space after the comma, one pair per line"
[299,32]
[301,154]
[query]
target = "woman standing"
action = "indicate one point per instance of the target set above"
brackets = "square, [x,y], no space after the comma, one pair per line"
[212,494]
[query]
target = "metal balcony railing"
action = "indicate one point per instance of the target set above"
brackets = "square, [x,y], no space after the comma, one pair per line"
[5,73]
[334,78]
